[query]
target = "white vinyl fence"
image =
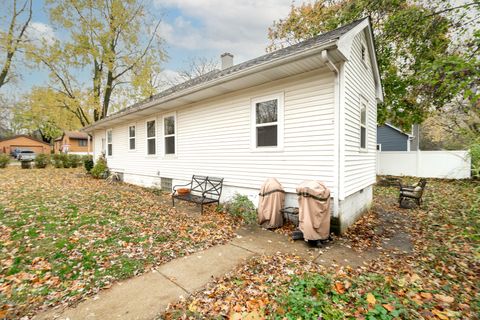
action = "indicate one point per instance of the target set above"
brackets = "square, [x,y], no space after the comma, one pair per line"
[425,164]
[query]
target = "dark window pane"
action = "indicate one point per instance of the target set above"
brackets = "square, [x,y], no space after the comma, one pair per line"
[363,137]
[132,144]
[131,131]
[169,125]
[151,146]
[267,136]
[151,128]
[110,149]
[82,143]
[266,111]
[109,136]
[169,145]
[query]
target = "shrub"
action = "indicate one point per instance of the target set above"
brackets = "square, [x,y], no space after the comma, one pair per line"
[4,160]
[66,160]
[241,206]
[42,160]
[73,160]
[88,163]
[475,155]
[100,169]
[58,160]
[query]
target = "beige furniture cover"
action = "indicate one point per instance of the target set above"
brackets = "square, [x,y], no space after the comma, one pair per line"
[270,203]
[314,210]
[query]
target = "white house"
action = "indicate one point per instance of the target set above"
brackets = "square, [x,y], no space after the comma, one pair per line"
[307,111]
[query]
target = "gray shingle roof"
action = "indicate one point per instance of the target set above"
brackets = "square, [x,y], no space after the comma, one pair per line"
[323,38]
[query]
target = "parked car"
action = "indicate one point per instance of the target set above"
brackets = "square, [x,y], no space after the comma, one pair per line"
[15,152]
[26,155]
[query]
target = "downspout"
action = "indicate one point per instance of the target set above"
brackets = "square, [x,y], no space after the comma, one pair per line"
[329,63]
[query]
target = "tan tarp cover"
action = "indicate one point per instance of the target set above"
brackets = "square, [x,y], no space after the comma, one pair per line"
[314,215]
[269,206]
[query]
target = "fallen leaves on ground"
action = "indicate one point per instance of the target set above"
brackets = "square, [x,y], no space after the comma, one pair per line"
[64,235]
[440,279]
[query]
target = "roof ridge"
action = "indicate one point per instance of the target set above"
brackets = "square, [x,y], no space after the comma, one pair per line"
[215,74]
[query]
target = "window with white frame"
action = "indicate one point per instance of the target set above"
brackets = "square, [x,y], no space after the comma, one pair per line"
[131,137]
[109,143]
[267,114]
[169,134]
[363,123]
[151,137]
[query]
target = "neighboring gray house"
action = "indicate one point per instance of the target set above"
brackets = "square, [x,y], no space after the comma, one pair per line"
[390,138]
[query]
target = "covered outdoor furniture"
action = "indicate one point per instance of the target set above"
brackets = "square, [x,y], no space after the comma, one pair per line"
[270,204]
[201,190]
[414,192]
[314,210]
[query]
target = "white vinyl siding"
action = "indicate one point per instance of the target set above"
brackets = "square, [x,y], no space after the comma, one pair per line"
[214,138]
[359,164]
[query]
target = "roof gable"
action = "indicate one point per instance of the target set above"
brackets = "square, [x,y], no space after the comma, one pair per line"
[24,136]
[397,129]
[220,82]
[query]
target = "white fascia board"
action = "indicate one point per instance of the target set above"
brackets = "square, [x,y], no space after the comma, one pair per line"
[399,130]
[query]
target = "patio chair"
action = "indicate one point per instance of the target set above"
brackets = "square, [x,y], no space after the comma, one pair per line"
[414,192]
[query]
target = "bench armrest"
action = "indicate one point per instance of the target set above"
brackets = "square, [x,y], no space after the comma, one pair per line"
[181,185]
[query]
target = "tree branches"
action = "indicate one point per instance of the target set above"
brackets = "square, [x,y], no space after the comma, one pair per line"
[11,40]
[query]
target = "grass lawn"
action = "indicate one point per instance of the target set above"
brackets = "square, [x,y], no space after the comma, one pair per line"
[64,235]
[440,279]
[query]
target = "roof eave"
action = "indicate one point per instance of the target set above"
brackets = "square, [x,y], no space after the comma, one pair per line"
[203,86]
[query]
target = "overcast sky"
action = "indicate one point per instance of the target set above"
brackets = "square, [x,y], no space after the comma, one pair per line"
[191,28]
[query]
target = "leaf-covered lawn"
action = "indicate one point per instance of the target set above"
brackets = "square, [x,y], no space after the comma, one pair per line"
[64,235]
[440,279]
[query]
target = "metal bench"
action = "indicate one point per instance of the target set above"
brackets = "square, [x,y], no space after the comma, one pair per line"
[414,192]
[203,190]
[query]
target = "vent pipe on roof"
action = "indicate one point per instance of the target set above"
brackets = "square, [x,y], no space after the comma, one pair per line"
[227,60]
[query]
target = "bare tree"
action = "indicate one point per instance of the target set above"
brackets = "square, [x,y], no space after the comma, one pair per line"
[196,67]
[11,39]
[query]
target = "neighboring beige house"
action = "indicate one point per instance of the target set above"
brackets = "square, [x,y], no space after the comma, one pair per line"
[73,142]
[307,111]
[23,142]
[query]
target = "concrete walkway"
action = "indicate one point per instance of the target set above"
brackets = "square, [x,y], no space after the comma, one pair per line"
[146,296]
